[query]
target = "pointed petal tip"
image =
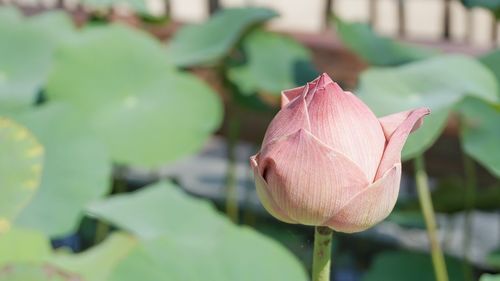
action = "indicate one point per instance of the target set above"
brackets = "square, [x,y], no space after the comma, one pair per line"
[343,122]
[419,114]
[325,75]
[391,122]
[321,81]
[397,127]
[288,120]
[324,79]
[423,111]
[253,161]
[289,95]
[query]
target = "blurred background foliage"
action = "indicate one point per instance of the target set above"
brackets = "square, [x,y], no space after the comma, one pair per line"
[83,104]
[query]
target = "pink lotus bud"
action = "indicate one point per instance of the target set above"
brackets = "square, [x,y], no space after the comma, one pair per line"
[327,160]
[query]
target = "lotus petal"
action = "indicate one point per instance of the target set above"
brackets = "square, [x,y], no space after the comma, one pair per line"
[307,179]
[370,206]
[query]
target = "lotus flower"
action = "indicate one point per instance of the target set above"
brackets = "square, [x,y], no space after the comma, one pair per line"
[326,160]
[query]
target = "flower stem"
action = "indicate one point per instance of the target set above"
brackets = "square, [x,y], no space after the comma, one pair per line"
[430,219]
[322,253]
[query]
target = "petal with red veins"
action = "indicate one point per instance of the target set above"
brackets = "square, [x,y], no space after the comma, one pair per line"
[391,122]
[370,206]
[307,179]
[395,143]
[346,124]
[264,196]
[288,120]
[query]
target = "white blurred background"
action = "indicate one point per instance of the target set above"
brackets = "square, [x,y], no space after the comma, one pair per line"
[423,19]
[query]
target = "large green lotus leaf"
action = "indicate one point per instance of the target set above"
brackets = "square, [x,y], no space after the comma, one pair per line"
[97,263]
[9,14]
[232,255]
[375,49]
[186,239]
[272,63]
[76,170]
[480,133]
[23,246]
[145,111]
[438,83]
[25,59]
[492,61]
[211,41]
[490,277]
[156,210]
[21,158]
[56,24]
[22,258]
[26,53]
[409,266]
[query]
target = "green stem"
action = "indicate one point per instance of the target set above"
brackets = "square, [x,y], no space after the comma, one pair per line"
[322,253]
[470,198]
[430,219]
[232,208]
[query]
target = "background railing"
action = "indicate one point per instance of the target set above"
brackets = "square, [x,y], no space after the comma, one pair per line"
[424,20]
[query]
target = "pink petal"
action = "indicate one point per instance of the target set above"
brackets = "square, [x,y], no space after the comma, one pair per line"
[391,122]
[395,143]
[265,197]
[346,124]
[289,95]
[307,179]
[321,82]
[370,206]
[289,119]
